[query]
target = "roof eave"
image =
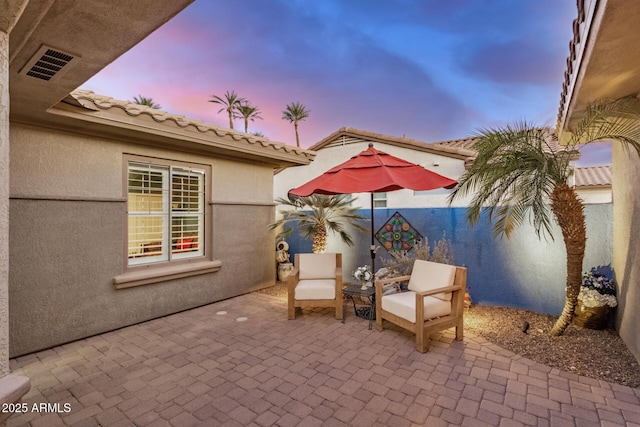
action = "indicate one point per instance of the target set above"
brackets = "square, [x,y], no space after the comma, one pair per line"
[600,65]
[456,153]
[143,126]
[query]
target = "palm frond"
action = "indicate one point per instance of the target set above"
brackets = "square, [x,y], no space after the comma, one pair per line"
[295,112]
[610,120]
[319,212]
[512,176]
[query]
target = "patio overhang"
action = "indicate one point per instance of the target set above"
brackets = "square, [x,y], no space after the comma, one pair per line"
[601,64]
[85,36]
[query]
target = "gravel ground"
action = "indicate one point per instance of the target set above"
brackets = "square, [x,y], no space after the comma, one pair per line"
[596,354]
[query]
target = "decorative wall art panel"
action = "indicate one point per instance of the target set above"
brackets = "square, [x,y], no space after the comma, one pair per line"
[397,234]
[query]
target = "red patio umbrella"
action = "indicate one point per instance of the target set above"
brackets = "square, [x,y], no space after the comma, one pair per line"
[373,171]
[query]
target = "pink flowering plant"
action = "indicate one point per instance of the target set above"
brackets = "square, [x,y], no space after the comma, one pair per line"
[597,289]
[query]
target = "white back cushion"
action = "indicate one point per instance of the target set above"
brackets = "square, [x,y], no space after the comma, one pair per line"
[317,266]
[427,275]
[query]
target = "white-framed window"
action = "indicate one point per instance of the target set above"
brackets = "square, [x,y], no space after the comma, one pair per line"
[379,200]
[166,206]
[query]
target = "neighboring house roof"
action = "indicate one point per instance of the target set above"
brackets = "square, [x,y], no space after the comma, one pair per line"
[464,143]
[462,149]
[347,135]
[593,176]
[177,130]
[469,143]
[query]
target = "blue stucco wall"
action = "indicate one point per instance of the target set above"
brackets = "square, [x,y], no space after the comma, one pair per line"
[522,271]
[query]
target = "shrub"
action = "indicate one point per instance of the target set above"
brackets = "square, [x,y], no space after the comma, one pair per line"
[401,263]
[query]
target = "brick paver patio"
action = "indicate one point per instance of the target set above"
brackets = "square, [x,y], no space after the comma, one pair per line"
[240,362]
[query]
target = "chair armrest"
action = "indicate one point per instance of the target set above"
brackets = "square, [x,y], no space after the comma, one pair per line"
[452,288]
[293,279]
[420,296]
[391,280]
[338,271]
[378,288]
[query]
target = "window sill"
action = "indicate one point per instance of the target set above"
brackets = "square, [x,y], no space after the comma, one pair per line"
[162,274]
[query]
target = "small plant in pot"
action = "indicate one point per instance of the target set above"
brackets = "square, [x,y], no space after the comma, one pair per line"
[596,299]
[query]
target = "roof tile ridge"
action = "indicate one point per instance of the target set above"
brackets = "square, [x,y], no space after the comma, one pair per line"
[106,102]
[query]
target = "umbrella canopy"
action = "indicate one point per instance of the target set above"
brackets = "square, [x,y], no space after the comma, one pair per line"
[373,171]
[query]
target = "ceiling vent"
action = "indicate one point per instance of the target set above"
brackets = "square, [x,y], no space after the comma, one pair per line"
[48,63]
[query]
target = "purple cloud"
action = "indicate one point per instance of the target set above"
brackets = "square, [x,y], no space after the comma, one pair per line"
[426,69]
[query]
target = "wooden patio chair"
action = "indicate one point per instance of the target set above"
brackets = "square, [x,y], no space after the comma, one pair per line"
[434,301]
[315,281]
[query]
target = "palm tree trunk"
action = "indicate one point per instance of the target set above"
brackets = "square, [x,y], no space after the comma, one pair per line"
[230,110]
[319,244]
[569,211]
[246,125]
[295,125]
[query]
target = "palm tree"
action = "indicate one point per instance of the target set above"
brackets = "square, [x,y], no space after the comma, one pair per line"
[141,100]
[248,112]
[326,213]
[294,113]
[519,175]
[230,102]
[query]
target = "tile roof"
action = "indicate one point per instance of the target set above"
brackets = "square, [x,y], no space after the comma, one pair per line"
[344,133]
[92,101]
[571,60]
[465,143]
[462,149]
[469,143]
[593,176]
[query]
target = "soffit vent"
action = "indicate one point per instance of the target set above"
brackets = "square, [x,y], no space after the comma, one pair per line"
[49,63]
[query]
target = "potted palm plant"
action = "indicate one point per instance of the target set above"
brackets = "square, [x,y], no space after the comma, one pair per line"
[596,299]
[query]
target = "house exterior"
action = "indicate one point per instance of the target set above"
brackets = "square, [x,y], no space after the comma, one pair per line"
[604,63]
[448,158]
[112,213]
[127,213]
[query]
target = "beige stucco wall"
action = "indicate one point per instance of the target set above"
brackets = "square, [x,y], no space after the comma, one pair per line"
[626,245]
[66,239]
[4,202]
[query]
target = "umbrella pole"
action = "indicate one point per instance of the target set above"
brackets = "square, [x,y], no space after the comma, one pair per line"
[373,246]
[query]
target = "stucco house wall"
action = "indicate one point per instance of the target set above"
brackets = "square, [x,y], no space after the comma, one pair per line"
[67,233]
[626,246]
[30,28]
[603,64]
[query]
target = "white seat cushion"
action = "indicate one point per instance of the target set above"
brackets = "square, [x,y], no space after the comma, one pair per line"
[403,305]
[427,275]
[316,289]
[317,266]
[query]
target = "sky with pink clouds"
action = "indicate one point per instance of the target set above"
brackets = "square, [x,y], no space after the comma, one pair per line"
[432,70]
